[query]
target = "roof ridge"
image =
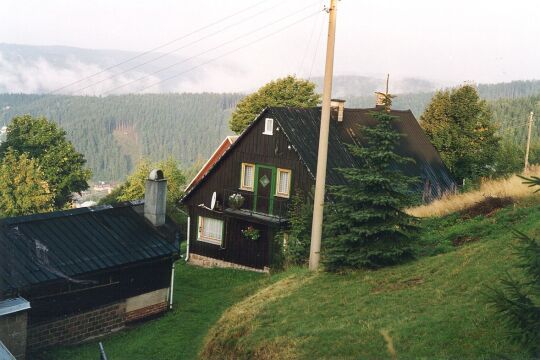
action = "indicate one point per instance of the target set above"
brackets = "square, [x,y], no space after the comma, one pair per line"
[69,212]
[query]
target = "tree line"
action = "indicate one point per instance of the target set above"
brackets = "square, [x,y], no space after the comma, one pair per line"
[115,132]
[186,127]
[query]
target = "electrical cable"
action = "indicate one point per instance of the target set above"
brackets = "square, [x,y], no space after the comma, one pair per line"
[214,48]
[301,65]
[226,53]
[316,51]
[160,46]
[179,48]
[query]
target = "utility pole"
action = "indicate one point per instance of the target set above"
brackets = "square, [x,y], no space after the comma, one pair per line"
[320,179]
[528,142]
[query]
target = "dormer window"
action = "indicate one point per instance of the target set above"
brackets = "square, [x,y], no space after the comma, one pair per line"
[268,126]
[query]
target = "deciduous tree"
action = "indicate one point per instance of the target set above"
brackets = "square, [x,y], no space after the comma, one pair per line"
[43,141]
[459,125]
[287,91]
[134,187]
[24,189]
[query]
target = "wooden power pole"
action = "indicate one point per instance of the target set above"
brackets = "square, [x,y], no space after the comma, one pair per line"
[528,142]
[320,179]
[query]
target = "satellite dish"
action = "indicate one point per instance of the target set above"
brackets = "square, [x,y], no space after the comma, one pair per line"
[213,202]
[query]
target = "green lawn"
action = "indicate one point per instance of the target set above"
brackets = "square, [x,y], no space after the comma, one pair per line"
[432,308]
[200,297]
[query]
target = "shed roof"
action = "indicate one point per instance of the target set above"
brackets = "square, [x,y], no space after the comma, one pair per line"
[67,244]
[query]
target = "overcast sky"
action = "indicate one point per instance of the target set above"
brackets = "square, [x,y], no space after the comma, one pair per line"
[444,40]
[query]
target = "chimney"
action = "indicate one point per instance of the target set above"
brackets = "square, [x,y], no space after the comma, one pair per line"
[339,106]
[155,198]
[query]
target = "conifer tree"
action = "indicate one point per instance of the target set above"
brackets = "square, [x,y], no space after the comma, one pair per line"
[517,301]
[365,226]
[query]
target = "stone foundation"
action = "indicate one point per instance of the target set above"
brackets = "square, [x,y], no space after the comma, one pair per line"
[205,261]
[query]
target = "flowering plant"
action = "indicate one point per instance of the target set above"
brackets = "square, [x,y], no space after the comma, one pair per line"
[251,233]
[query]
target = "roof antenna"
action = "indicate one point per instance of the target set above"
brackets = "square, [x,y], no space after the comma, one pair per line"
[385,99]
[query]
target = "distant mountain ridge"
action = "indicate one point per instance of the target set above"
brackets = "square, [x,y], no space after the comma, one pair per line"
[41,69]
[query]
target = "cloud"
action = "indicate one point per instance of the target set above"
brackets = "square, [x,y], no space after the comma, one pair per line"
[40,75]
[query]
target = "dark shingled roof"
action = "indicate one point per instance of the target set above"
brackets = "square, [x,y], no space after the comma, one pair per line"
[301,126]
[66,244]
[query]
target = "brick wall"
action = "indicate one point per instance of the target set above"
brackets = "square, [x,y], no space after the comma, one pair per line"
[146,311]
[77,328]
[101,321]
[13,333]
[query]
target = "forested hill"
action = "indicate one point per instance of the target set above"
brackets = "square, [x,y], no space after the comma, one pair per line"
[417,101]
[114,132]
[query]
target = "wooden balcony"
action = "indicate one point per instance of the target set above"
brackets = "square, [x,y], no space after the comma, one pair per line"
[274,210]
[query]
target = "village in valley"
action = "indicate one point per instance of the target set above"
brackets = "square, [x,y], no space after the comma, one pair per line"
[269,180]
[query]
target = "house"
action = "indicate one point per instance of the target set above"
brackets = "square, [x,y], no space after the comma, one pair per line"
[69,275]
[242,201]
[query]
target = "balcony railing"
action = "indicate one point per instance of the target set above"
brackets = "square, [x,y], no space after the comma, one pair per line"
[275,209]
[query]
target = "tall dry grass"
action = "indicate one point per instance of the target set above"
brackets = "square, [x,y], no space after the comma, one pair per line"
[512,187]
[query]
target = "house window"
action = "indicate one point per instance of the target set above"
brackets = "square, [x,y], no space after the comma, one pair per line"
[268,126]
[210,230]
[283,187]
[248,176]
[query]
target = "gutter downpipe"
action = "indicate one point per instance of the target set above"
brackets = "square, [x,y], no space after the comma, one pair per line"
[187,245]
[171,287]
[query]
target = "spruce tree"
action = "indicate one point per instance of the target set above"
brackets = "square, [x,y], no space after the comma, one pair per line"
[365,226]
[517,301]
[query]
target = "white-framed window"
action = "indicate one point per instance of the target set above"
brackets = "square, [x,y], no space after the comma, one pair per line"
[210,230]
[283,186]
[268,126]
[248,177]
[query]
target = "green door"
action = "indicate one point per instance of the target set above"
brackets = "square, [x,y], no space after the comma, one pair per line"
[265,187]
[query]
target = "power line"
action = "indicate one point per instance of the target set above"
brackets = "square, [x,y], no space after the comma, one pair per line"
[227,53]
[308,43]
[215,48]
[510,128]
[179,48]
[316,50]
[160,46]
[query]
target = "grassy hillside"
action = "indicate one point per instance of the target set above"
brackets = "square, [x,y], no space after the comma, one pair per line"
[433,307]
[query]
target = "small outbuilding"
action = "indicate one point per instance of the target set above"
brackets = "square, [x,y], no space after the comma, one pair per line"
[69,275]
